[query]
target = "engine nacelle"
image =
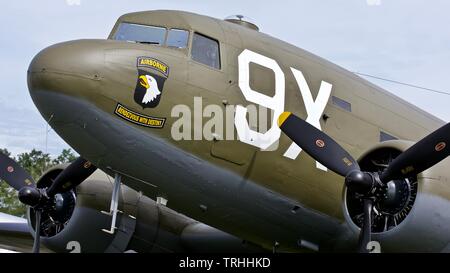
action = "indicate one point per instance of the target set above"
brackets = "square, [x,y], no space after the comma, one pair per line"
[418,218]
[143,225]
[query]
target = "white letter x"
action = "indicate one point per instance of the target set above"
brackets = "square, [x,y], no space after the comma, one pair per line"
[314,109]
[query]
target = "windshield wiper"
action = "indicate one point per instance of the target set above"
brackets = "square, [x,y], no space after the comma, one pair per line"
[148,42]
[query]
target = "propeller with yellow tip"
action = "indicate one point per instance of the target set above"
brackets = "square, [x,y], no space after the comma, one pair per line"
[317,144]
[372,186]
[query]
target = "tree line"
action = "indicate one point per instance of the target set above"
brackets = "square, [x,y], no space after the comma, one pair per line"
[36,163]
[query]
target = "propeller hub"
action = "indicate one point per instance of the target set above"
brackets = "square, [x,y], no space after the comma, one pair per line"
[360,182]
[30,196]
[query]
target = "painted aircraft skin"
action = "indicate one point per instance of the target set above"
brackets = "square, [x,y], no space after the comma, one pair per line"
[86,90]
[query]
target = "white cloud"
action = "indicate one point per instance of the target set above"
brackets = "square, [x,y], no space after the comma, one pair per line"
[73,2]
[373,2]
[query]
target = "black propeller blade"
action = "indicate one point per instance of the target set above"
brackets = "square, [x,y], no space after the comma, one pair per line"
[317,144]
[421,156]
[37,233]
[14,174]
[366,230]
[39,199]
[71,176]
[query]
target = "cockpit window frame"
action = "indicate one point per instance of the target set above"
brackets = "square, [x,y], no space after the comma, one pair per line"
[167,28]
[113,34]
[187,47]
[191,46]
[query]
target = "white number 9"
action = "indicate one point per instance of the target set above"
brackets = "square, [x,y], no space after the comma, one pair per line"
[276,103]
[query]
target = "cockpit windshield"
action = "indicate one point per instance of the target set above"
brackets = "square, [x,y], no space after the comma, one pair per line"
[175,38]
[140,34]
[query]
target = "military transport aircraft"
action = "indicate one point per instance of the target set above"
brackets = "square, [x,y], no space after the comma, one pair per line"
[124,104]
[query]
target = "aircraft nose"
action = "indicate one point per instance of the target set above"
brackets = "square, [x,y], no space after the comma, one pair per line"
[70,68]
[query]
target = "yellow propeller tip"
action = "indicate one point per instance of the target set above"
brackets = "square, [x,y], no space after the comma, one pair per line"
[282,118]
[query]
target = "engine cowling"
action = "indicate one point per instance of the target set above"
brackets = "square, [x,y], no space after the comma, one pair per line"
[414,215]
[77,220]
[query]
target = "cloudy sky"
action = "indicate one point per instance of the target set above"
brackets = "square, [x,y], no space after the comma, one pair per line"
[405,40]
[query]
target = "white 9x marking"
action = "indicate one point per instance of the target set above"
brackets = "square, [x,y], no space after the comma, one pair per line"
[314,109]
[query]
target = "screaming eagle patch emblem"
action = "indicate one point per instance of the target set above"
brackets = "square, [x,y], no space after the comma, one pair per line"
[149,86]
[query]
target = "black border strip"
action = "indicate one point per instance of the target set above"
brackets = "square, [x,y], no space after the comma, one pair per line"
[140,115]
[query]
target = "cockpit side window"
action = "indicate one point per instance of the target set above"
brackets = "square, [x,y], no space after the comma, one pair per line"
[177,38]
[205,50]
[141,34]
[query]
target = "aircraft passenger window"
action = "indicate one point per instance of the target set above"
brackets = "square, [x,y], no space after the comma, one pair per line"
[140,34]
[385,137]
[206,51]
[347,106]
[177,38]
